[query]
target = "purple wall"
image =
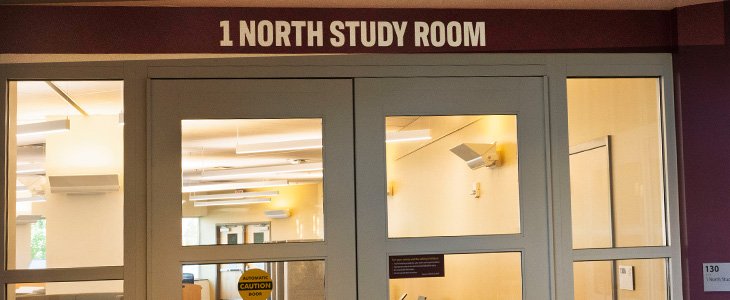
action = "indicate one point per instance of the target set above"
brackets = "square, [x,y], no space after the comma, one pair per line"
[55,29]
[698,38]
[702,72]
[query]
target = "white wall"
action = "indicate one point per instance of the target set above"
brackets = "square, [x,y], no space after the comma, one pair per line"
[85,230]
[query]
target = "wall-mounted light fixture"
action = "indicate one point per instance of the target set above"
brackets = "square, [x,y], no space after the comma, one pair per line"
[478,155]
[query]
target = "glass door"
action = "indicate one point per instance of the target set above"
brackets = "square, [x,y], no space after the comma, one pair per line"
[452,189]
[251,179]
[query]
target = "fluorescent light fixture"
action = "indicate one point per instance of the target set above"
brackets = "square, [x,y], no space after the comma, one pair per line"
[258,172]
[232,202]
[21,191]
[43,127]
[407,136]
[279,146]
[31,199]
[391,137]
[30,169]
[233,196]
[232,186]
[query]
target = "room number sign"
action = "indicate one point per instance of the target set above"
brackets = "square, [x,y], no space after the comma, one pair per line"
[717,277]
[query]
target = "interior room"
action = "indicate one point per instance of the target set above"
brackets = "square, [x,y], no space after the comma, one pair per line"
[66,159]
[254,181]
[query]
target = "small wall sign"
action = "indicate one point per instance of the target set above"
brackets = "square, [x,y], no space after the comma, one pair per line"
[717,277]
[416,266]
[255,284]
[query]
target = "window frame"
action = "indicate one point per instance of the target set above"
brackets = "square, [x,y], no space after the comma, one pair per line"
[615,66]
[134,200]
[555,67]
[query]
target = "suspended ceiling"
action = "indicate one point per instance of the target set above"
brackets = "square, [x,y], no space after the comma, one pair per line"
[468,4]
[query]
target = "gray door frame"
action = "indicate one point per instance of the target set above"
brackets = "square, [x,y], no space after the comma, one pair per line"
[554,67]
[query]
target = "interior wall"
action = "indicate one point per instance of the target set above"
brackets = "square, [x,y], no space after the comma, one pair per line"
[305,222]
[22,245]
[650,279]
[85,230]
[593,280]
[489,276]
[432,186]
[627,110]
[431,197]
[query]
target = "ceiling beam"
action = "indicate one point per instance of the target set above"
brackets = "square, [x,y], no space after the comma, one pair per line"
[67,98]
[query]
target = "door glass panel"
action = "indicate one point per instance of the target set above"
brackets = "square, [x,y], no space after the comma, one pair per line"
[650,279]
[106,289]
[467,276]
[625,197]
[590,177]
[65,174]
[452,175]
[290,280]
[634,279]
[252,181]
[593,280]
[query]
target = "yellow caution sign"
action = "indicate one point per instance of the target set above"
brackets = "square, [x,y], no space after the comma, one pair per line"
[255,284]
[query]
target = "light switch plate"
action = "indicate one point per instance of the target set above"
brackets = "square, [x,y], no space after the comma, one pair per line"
[626,278]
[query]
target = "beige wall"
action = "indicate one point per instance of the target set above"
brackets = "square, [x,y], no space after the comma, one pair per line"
[431,197]
[650,279]
[593,280]
[590,192]
[488,276]
[85,230]
[22,245]
[628,111]
[305,223]
[432,186]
